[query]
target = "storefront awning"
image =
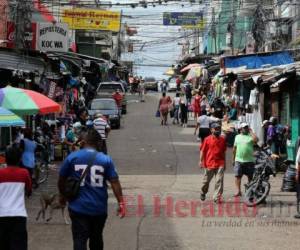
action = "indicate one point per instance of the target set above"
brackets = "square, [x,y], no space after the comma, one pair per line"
[14,61]
[257,61]
[41,13]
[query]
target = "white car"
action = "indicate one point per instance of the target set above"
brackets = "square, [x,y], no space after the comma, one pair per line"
[172,85]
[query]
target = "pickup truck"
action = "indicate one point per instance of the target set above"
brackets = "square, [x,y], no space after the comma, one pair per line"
[107,89]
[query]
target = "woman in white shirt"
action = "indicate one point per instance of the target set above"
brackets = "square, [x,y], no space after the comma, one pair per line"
[176,103]
[203,123]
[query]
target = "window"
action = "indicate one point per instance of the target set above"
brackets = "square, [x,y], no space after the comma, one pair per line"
[103,105]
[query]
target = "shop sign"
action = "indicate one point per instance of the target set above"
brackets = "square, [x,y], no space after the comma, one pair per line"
[185,19]
[29,36]
[53,37]
[92,19]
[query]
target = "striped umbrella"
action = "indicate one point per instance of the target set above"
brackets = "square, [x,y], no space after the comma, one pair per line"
[26,102]
[9,119]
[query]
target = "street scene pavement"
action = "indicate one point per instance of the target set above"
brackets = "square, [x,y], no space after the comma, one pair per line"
[159,173]
[90,92]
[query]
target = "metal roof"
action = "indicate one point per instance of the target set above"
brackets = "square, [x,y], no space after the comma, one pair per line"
[14,61]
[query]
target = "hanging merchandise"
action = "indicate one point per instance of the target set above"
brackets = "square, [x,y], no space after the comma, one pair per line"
[75,94]
[253,100]
[255,124]
[51,90]
[73,81]
[218,87]
[59,91]
[205,75]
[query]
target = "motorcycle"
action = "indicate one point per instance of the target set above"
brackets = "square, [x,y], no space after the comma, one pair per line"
[259,187]
[43,158]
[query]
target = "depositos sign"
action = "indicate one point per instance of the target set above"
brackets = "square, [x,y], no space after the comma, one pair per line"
[90,19]
[185,19]
[52,37]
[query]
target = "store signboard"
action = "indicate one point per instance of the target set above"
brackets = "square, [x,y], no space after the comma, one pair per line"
[185,19]
[92,19]
[53,37]
[29,36]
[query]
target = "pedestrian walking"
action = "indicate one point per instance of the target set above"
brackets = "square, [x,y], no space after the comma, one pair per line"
[203,123]
[204,105]
[212,159]
[188,93]
[196,105]
[243,157]
[88,212]
[163,86]
[163,107]
[183,113]
[176,103]
[15,183]
[142,91]
[28,147]
[103,128]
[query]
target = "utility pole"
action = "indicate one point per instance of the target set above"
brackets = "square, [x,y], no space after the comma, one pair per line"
[21,15]
[232,27]
[214,31]
[119,49]
[198,41]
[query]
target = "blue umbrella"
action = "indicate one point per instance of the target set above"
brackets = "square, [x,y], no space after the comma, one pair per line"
[9,119]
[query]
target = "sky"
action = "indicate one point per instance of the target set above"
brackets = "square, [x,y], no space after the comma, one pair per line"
[163,48]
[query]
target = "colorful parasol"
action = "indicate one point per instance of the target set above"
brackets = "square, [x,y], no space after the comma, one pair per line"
[170,72]
[194,73]
[26,102]
[9,119]
[190,66]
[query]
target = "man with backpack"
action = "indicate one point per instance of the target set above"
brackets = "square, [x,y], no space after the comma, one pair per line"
[88,211]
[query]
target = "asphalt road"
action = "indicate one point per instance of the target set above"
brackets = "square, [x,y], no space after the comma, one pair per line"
[157,164]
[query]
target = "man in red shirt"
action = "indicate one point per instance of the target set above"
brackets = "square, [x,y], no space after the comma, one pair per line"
[15,182]
[212,159]
[118,98]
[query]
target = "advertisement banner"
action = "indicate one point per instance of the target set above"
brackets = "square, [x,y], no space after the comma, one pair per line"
[53,37]
[91,19]
[185,19]
[30,36]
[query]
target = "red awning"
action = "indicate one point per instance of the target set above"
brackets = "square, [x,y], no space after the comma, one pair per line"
[43,11]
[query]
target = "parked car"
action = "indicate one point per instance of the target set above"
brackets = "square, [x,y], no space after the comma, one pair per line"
[106,89]
[172,86]
[107,107]
[151,83]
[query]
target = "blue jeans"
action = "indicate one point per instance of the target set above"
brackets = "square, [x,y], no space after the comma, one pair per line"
[176,113]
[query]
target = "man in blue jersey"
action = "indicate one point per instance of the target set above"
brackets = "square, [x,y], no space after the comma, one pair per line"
[88,212]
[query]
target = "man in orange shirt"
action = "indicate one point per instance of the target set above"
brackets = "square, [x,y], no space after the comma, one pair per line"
[212,159]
